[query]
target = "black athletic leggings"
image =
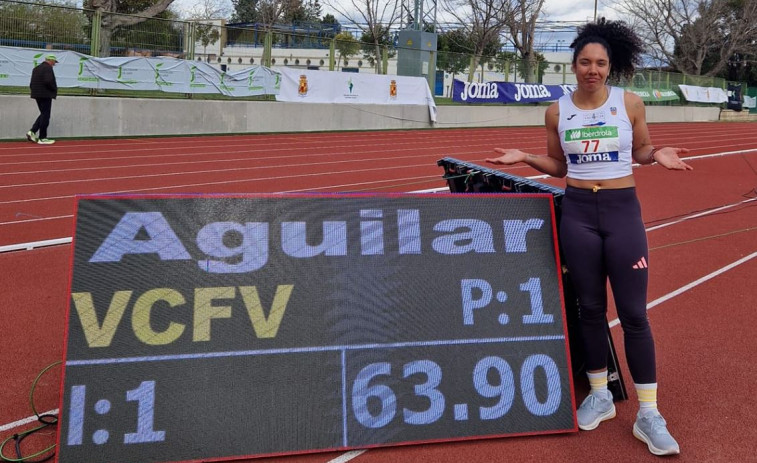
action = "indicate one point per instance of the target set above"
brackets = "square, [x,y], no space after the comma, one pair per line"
[45,105]
[603,236]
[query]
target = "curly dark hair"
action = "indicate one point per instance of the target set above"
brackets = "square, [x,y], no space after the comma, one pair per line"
[623,46]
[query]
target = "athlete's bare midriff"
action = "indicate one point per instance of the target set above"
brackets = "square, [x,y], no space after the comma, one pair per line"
[603,184]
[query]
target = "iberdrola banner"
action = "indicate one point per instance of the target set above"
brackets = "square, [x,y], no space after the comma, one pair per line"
[311,86]
[653,94]
[76,70]
[508,92]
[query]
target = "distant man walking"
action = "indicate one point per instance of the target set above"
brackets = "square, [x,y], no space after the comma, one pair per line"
[44,89]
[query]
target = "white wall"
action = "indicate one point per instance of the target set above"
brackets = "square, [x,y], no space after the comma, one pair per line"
[126,117]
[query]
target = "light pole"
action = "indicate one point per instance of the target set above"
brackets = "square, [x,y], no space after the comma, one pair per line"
[595,10]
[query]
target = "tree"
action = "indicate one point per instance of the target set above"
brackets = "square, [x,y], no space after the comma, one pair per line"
[329,19]
[372,47]
[208,9]
[697,37]
[346,45]
[313,10]
[521,21]
[482,21]
[375,19]
[205,31]
[61,24]
[454,49]
[207,34]
[116,14]
[245,11]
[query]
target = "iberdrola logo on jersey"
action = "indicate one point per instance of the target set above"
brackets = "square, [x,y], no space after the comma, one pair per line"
[591,133]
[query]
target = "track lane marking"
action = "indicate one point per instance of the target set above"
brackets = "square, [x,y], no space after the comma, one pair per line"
[693,284]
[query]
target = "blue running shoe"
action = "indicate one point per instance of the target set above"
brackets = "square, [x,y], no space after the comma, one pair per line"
[651,428]
[594,410]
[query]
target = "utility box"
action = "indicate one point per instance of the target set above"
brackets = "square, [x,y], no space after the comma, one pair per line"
[416,55]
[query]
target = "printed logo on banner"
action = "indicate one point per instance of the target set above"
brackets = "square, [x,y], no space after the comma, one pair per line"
[302,88]
[4,62]
[251,79]
[524,91]
[393,89]
[159,80]
[36,57]
[192,78]
[350,89]
[482,91]
[80,76]
[506,92]
[223,82]
[120,77]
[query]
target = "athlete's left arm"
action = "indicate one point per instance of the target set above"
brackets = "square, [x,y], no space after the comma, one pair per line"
[642,142]
[643,150]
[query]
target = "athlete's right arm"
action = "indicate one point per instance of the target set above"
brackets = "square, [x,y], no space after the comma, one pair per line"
[553,163]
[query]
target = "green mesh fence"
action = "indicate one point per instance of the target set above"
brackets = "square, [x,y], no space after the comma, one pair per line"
[128,35]
[43,26]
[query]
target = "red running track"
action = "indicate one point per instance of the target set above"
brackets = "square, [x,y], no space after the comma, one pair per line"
[704,333]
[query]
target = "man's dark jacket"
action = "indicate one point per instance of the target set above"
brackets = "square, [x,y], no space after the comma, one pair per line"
[43,83]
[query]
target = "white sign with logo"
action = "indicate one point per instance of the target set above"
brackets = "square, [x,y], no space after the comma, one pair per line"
[703,94]
[311,86]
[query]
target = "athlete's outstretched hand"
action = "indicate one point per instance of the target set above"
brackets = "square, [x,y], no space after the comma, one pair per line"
[668,158]
[509,157]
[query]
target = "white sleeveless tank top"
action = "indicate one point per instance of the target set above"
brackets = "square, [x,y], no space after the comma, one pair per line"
[597,142]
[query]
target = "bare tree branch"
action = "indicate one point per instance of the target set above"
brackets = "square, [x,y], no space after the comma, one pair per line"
[372,17]
[688,33]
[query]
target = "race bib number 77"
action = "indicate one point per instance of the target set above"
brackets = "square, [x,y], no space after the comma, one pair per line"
[592,144]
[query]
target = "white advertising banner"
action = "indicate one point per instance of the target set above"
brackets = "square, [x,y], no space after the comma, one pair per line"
[76,70]
[703,94]
[311,86]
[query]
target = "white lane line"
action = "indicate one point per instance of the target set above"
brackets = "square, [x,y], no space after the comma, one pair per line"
[26,420]
[701,214]
[347,456]
[34,245]
[693,284]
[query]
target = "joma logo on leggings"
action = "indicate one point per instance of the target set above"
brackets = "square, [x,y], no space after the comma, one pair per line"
[611,156]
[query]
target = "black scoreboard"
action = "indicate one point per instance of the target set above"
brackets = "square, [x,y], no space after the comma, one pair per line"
[214,327]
